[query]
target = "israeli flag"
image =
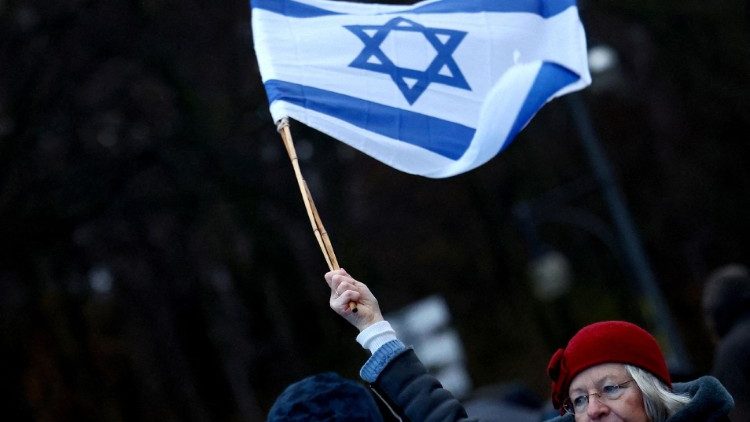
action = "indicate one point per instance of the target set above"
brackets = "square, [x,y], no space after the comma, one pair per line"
[435,89]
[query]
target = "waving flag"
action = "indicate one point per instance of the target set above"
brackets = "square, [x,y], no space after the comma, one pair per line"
[435,89]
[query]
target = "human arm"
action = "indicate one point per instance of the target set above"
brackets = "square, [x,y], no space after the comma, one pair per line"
[376,334]
[412,391]
[393,371]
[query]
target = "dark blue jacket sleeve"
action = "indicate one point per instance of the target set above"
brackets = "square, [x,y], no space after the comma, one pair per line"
[415,394]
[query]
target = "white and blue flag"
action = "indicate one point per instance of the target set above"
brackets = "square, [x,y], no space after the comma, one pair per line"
[435,89]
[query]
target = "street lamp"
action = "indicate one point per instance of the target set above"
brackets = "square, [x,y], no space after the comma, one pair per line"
[627,237]
[625,241]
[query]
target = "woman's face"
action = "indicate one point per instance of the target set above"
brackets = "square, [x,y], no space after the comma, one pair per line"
[625,404]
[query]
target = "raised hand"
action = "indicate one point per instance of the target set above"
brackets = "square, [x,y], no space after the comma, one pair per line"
[345,289]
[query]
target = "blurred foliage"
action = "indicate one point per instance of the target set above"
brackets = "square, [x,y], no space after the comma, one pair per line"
[157,263]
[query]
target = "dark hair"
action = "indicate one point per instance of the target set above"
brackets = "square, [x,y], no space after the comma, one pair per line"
[726,297]
[325,397]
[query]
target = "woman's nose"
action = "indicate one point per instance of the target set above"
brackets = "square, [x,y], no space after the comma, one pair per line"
[596,407]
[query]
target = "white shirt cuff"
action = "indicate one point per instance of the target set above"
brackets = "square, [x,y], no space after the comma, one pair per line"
[376,335]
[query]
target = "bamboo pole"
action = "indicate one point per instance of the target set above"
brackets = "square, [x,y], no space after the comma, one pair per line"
[321,235]
[327,246]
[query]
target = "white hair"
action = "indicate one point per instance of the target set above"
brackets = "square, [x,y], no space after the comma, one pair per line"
[659,400]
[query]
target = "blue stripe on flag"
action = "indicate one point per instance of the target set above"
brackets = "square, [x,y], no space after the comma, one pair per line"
[442,137]
[290,8]
[551,78]
[543,8]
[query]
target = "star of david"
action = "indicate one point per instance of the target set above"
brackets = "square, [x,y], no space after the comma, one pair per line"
[411,82]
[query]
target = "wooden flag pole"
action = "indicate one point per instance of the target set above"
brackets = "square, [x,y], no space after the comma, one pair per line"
[326,242]
[312,212]
[286,137]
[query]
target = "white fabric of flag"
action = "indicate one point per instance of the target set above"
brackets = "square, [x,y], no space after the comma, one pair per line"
[436,88]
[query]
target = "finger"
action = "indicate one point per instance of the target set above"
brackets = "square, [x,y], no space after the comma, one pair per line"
[346,285]
[333,282]
[346,278]
[341,303]
[337,280]
[330,275]
[339,300]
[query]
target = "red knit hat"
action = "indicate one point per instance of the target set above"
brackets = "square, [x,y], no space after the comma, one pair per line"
[605,342]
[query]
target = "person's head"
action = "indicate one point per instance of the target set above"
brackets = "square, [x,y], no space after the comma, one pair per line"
[726,297]
[612,367]
[325,397]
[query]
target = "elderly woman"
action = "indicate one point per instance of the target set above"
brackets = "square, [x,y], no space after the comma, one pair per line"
[610,370]
[615,370]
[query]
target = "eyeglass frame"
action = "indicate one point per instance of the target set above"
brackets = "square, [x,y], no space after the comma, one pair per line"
[569,403]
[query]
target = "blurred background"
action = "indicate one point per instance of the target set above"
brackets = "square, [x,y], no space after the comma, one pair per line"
[157,262]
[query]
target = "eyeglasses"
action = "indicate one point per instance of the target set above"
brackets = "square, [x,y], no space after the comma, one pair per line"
[579,404]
